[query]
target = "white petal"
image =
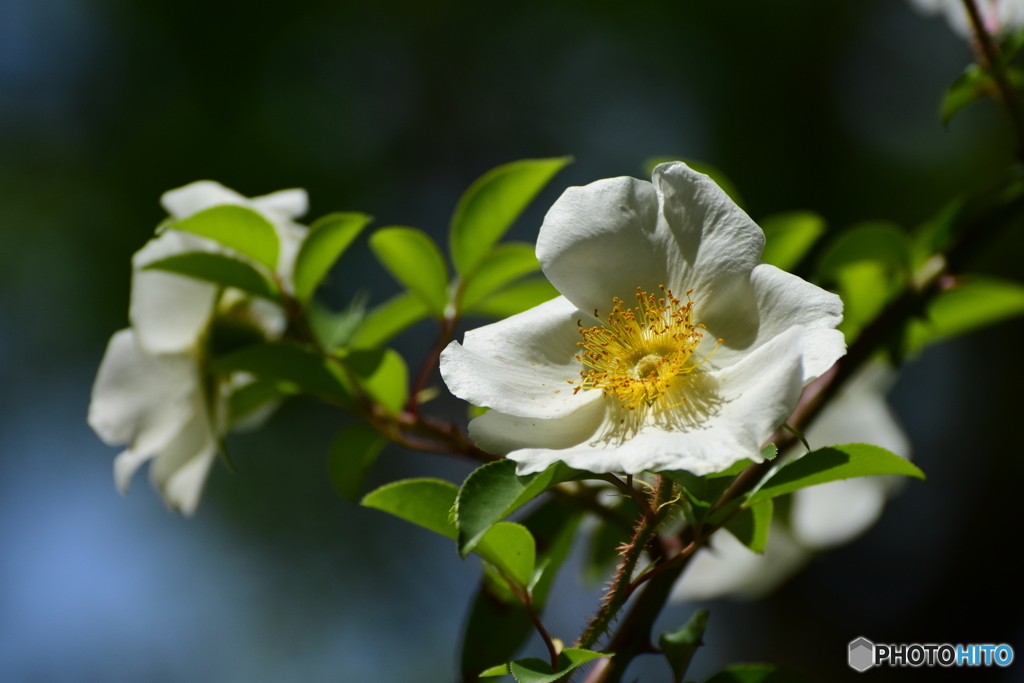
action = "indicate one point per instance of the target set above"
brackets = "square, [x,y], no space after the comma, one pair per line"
[180,471]
[728,568]
[756,395]
[169,312]
[716,242]
[126,464]
[141,399]
[496,432]
[199,196]
[287,204]
[835,513]
[521,365]
[781,300]
[600,241]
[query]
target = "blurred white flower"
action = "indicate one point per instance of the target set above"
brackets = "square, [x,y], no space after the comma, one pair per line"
[672,346]
[820,517]
[151,392]
[996,15]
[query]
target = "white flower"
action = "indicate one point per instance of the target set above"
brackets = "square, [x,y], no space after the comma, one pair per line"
[996,15]
[820,517]
[151,392]
[696,376]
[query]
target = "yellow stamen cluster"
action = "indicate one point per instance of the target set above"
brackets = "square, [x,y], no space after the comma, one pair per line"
[639,356]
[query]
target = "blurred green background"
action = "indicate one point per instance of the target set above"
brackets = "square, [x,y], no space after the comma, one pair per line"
[393,108]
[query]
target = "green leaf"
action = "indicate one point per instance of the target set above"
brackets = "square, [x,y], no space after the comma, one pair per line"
[755,673]
[390,318]
[538,671]
[789,236]
[973,84]
[712,172]
[425,502]
[502,265]
[416,261]
[830,464]
[971,305]
[498,624]
[353,453]
[510,547]
[880,242]
[244,230]
[750,526]
[500,670]
[491,204]
[680,645]
[246,400]
[221,270]
[333,331]
[770,451]
[703,492]
[328,239]
[298,367]
[493,492]
[382,374]
[516,298]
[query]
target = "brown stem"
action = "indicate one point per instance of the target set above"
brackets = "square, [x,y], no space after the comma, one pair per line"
[430,364]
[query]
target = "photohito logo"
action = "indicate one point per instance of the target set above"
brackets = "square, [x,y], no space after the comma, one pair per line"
[863,654]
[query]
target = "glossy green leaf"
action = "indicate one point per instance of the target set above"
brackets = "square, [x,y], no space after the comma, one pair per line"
[500,670]
[334,330]
[297,367]
[974,304]
[241,229]
[498,624]
[502,265]
[424,502]
[219,269]
[538,671]
[353,453]
[710,171]
[703,492]
[516,298]
[755,673]
[416,261]
[328,239]
[389,319]
[973,84]
[750,526]
[247,400]
[493,492]
[680,645]
[491,204]
[510,547]
[789,236]
[382,374]
[884,243]
[831,464]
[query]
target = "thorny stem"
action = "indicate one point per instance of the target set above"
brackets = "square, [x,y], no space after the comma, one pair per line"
[992,60]
[620,588]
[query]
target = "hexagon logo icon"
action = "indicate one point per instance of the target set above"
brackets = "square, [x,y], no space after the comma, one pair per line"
[862,654]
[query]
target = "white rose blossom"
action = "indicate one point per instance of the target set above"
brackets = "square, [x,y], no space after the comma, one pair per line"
[996,15]
[150,392]
[820,517]
[672,346]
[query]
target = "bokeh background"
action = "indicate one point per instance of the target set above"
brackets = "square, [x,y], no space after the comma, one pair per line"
[393,108]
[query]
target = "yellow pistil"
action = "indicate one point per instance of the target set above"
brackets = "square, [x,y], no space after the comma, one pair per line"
[643,352]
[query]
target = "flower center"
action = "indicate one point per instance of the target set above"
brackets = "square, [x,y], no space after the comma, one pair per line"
[642,352]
